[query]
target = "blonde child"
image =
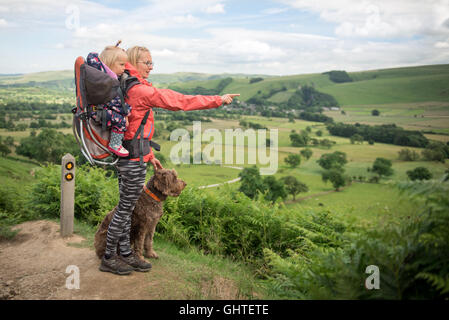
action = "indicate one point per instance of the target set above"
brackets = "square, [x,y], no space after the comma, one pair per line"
[112,61]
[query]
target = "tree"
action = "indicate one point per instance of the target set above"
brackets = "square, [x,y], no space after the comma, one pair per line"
[293,160]
[335,176]
[319,133]
[49,145]
[4,148]
[357,138]
[419,173]
[326,143]
[375,112]
[251,182]
[299,140]
[436,151]
[293,186]
[275,189]
[306,153]
[382,167]
[332,160]
[338,76]
[254,80]
[408,155]
[291,118]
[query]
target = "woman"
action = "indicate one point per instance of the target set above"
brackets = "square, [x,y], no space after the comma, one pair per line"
[142,97]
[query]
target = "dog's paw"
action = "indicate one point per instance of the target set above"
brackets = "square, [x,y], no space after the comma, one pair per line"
[151,254]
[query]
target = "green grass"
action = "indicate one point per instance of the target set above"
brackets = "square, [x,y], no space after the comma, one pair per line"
[413,84]
[16,170]
[360,204]
[428,116]
[391,90]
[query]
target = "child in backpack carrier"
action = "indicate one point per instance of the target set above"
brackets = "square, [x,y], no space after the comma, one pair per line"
[112,61]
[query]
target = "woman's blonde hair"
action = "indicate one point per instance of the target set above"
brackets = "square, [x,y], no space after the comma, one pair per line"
[110,54]
[134,54]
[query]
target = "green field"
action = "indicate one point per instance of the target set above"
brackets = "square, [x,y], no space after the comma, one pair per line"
[416,98]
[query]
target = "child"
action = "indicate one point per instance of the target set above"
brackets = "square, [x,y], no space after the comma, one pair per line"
[112,61]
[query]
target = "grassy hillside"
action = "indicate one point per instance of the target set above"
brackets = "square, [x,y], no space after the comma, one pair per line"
[411,84]
[386,86]
[64,76]
[403,85]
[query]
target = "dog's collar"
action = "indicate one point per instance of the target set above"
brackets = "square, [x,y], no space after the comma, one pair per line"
[151,194]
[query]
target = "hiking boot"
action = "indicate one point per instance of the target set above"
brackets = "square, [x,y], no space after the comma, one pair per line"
[115,265]
[136,263]
[118,150]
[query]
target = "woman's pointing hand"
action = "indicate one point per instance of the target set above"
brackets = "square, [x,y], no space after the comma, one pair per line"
[227,98]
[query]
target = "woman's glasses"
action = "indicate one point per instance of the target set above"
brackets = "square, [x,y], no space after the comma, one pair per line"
[148,63]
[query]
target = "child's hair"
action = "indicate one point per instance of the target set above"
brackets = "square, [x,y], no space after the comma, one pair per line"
[111,53]
[134,54]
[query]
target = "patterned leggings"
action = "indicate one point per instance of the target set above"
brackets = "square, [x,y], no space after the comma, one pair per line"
[131,178]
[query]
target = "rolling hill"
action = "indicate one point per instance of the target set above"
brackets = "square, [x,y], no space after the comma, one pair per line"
[65,77]
[385,86]
[397,85]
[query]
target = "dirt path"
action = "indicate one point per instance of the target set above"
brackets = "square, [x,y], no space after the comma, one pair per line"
[33,266]
[227,182]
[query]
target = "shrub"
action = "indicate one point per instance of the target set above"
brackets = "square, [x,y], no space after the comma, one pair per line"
[339,76]
[95,193]
[419,173]
[382,167]
[229,223]
[408,155]
[254,80]
[412,256]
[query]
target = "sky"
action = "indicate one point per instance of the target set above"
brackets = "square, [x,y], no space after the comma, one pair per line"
[277,37]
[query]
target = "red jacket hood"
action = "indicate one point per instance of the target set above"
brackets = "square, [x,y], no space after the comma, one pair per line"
[133,72]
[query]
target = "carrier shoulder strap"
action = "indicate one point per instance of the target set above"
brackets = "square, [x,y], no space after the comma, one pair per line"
[141,132]
[127,82]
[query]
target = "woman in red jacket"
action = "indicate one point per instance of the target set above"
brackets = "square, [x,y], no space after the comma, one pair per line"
[131,174]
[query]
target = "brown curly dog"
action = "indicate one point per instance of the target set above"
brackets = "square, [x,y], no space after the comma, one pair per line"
[146,214]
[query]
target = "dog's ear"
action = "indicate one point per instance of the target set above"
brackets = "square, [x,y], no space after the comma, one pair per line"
[161,181]
[176,185]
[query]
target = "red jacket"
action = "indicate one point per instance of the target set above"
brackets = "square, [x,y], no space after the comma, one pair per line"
[144,97]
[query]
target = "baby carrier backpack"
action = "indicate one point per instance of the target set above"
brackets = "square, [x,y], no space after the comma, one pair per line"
[94,88]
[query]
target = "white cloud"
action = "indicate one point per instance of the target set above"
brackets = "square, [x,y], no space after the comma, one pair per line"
[163,53]
[218,8]
[367,35]
[381,18]
[442,45]
[185,19]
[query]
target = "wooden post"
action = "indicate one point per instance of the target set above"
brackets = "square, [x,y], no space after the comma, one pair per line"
[67,194]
